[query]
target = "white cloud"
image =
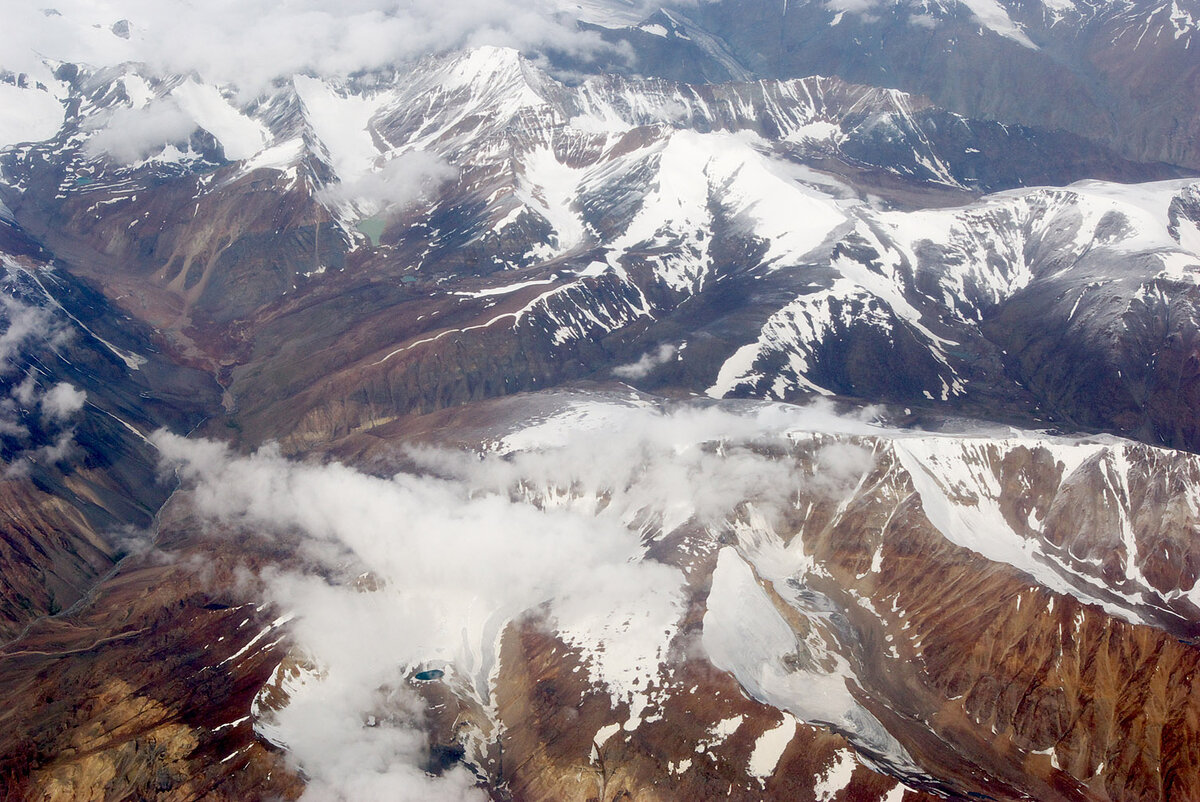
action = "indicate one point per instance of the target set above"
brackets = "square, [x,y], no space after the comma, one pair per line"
[26,324]
[130,135]
[251,42]
[648,362]
[456,559]
[399,183]
[466,544]
[62,401]
[30,114]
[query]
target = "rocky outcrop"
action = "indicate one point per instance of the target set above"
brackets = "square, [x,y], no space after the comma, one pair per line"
[1127,67]
[144,691]
[563,741]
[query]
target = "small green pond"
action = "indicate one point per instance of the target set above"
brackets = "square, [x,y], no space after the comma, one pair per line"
[373,228]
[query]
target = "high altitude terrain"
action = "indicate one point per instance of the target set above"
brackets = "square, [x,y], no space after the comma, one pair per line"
[781,401]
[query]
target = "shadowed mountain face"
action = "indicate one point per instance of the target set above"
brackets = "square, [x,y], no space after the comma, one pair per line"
[476,428]
[1123,73]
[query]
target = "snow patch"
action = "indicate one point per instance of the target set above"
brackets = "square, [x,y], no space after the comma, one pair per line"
[836,777]
[757,656]
[30,115]
[240,136]
[770,746]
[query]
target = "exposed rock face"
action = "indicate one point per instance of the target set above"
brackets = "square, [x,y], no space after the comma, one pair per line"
[1019,670]
[142,692]
[1128,67]
[79,480]
[50,556]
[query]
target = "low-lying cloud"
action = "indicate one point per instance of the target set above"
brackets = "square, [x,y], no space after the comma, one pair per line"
[399,183]
[130,135]
[465,544]
[24,325]
[33,410]
[62,401]
[646,363]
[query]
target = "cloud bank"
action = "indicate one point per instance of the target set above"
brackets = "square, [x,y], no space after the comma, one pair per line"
[251,42]
[466,544]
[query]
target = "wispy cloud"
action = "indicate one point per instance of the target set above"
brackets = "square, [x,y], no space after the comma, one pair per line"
[646,363]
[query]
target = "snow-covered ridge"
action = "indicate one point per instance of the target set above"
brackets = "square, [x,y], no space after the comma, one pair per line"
[619,199]
[490,127]
[1144,23]
[933,271]
[458,106]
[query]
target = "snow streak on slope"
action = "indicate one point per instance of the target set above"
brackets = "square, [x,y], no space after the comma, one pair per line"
[240,136]
[933,272]
[757,655]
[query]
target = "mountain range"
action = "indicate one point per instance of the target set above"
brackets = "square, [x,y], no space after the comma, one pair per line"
[770,400]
